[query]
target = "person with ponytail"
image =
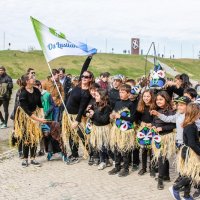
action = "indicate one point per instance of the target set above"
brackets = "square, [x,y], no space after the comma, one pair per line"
[188,160]
[73,123]
[28,118]
[177,87]
[99,114]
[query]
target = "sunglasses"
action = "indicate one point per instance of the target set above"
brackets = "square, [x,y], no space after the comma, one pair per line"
[32,72]
[86,77]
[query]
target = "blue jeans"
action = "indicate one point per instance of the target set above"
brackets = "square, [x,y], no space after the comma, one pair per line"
[56,112]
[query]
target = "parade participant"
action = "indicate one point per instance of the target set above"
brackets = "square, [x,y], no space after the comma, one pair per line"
[73,123]
[50,85]
[177,87]
[190,93]
[134,155]
[167,149]
[104,77]
[6,86]
[113,94]
[144,119]
[66,83]
[48,106]
[122,132]
[93,153]
[28,117]
[189,155]
[100,134]
[12,117]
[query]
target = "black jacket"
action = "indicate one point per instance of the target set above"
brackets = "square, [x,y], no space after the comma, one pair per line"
[113,95]
[101,117]
[145,117]
[191,138]
[127,104]
[166,127]
[66,86]
[7,79]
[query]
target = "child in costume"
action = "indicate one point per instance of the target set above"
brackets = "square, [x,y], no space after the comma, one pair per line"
[93,154]
[122,138]
[100,131]
[167,148]
[188,162]
[144,119]
[134,155]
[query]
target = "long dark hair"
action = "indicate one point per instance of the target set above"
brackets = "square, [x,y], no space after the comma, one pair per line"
[185,80]
[168,102]
[92,78]
[24,80]
[104,98]
[141,104]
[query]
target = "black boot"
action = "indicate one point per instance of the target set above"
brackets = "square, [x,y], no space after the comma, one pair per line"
[114,171]
[123,173]
[160,185]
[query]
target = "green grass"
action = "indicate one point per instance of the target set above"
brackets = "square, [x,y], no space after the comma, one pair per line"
[17,62]
[188,66]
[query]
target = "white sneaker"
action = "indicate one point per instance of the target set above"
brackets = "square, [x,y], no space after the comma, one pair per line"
[102,166]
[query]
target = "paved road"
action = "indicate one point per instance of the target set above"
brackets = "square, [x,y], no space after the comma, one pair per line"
[169,70]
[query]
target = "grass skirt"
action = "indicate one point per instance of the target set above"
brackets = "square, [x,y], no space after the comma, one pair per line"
[27,129]
[100,136]
[190,166]
[121,140]
[168,146]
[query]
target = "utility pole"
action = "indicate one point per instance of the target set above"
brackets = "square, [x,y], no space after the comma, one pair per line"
[4,40]
[181,50]
[106,46]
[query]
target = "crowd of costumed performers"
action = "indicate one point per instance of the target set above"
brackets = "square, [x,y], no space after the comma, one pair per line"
[140,125]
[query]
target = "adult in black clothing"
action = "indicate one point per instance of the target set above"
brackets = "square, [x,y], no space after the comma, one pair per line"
[180,83]
[65,81]
[113,94]
[76,104]
[6,86]
[30,99]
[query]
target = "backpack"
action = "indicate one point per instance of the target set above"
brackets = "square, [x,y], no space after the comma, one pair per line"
[3,89]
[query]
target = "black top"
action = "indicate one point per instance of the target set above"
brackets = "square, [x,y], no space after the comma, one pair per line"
[191,138]
[131,106]
[101,117]
[145,117]
[7,79]
[78,101]
[113,95]
[30,101]
[166,127]
[174,89]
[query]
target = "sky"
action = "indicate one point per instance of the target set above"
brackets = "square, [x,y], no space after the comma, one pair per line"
[172,24]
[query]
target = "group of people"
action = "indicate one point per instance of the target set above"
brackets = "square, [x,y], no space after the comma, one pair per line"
[116,119]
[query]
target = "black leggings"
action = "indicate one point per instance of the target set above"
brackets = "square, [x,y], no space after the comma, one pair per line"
[74,146]
[186,183]
[163,167]
[33,150]
[5,104]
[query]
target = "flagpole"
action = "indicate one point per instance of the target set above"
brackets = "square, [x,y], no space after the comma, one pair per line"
[57,88]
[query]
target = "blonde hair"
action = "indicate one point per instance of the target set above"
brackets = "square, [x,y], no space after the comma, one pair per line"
[192,111]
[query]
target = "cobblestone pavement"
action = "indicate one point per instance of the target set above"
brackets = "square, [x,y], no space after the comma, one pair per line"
[56,180]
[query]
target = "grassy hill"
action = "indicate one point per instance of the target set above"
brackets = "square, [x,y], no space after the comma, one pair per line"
[188,66]
[17,62]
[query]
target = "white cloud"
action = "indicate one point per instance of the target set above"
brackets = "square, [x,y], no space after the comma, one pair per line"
[168,22]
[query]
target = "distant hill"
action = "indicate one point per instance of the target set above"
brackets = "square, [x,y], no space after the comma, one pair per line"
[17,62]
